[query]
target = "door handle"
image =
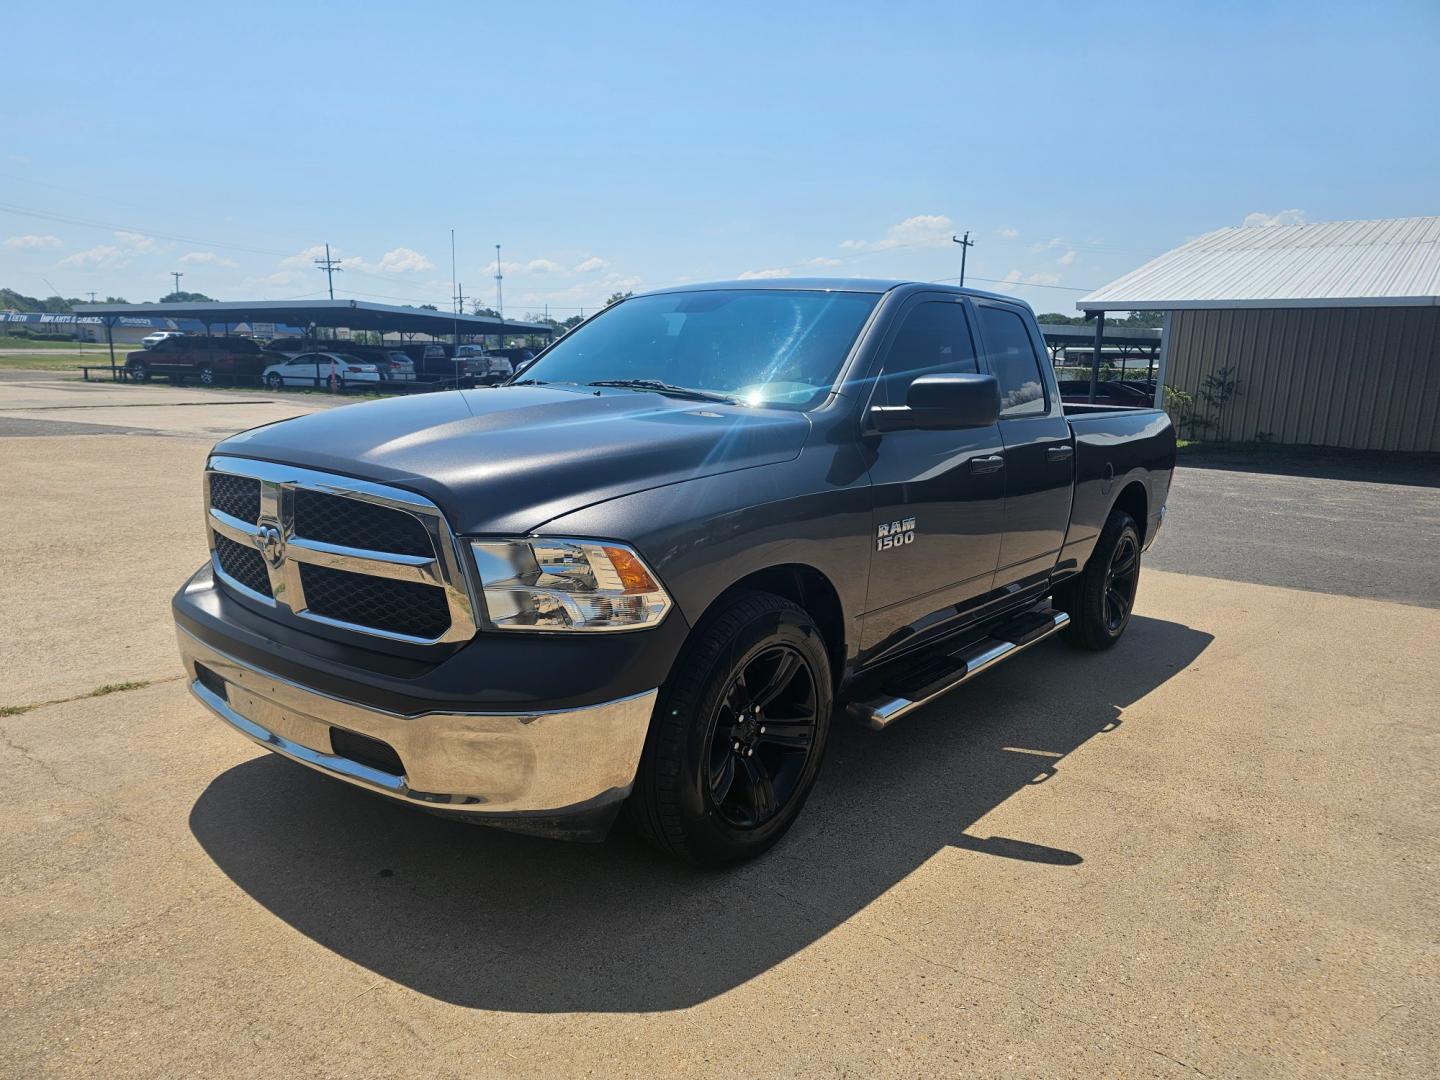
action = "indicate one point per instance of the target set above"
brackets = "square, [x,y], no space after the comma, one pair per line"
[980,466]
[1059,453]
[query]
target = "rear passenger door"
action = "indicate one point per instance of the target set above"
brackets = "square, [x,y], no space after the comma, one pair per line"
[1039,449]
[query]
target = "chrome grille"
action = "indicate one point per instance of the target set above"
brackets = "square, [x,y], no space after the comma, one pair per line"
[401,607]
[244,564]
[334,519]
[347,553]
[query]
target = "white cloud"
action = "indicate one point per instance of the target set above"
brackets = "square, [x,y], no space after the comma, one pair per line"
[922,230]
[1067,258]
[400,260]
[106,255]
[34,242]
[542,266]
[138,243]
[593,263]
[206,257]
[1020,278]
[821,260]
[755,275]
[403,260]
[1007,233]
[1048,245]
[303,258]
[1284,217]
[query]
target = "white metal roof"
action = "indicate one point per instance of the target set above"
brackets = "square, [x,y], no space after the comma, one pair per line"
[1383,263]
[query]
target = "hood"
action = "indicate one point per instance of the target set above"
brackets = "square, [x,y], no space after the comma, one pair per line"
[506,460]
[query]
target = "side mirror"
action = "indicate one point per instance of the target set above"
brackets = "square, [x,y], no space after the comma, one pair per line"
[943,403]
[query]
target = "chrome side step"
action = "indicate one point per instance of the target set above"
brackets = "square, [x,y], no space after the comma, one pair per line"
[960,667]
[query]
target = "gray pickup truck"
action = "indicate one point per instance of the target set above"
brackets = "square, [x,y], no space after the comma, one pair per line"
[653,569]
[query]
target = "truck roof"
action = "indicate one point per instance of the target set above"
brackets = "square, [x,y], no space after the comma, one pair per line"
[857,285]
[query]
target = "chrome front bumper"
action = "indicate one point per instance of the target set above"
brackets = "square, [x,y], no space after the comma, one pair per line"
[479,763]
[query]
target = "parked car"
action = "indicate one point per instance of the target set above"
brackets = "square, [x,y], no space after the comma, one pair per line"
[651,574]
[485,367]
[207,359]
[149,341]
[318,369]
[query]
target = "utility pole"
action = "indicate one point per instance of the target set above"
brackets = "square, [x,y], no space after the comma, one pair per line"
[459,298]
[331,268]
[965,246]
[499,277]
[177,275]
[92,295]
[455,321]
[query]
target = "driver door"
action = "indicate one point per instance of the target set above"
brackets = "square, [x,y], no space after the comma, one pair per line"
[939,496]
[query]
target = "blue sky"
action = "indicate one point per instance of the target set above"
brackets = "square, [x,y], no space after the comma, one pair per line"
[633,145]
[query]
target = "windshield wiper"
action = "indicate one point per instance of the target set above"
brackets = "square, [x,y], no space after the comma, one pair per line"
[667,388]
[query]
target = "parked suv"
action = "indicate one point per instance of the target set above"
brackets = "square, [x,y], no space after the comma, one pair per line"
[227,359]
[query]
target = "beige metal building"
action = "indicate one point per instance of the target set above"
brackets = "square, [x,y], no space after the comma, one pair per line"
[1332,330]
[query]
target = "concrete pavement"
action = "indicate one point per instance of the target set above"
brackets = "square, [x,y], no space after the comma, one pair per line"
[1208,852]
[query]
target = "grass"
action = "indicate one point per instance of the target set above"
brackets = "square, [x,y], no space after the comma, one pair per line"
[99,691]
[54,360]
[10,341]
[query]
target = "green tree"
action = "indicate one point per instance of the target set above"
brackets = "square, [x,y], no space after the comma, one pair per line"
[616,297]
[477,308]
[1054,318]
[183,297]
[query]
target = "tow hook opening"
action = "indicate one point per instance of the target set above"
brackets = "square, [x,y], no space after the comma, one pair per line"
[372,753]
[212,682]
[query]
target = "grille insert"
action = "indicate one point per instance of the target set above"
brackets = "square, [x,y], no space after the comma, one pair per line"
[242,563]
[399,607]
[238,496]
[335,519]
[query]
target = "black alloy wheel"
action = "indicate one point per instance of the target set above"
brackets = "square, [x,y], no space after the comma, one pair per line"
[738,733]
[763,736]
[1121,580]
[1101,597]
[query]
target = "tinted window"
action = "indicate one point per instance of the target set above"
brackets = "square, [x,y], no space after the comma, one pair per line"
[777,347]
[934,339]
[1011,356]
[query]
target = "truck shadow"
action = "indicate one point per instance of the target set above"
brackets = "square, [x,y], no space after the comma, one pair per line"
[486,919]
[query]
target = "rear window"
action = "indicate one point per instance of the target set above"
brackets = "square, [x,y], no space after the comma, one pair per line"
[1010,355]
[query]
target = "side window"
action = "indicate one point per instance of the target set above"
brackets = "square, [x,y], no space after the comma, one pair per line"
[1011,356]
[934,339]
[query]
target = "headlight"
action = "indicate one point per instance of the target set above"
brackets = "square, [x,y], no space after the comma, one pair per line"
[548,584]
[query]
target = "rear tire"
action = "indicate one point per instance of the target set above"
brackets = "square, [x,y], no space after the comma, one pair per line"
[207,376]
[1100,599]
[138,371]
[274,382]
[738,734]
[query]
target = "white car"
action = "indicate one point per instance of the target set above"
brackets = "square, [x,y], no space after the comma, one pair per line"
[151,340]
[317,369]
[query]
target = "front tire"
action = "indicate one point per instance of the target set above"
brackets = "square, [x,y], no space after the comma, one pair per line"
[207,376]
[738,735]
[139,372]
[1100,599]
[274,382]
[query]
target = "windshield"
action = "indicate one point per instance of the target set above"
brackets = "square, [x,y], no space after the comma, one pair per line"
[761,346]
